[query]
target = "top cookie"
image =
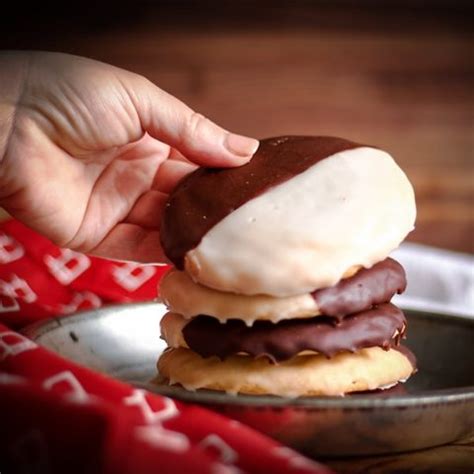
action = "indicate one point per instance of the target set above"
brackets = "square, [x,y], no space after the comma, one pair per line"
[302,214]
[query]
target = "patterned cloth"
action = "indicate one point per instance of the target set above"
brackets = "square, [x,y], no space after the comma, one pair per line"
[59,417]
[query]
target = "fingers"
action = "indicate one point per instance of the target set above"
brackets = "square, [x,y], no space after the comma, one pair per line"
[174,154]
[132,243]
[200,140]
[147,210]
[170,173]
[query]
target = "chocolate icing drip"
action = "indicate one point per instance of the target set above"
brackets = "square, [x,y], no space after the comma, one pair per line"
[375,327]
[207,195]
[368,287]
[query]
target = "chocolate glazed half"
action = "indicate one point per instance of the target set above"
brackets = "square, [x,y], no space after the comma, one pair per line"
[382,326]
[368,287]
[207,195]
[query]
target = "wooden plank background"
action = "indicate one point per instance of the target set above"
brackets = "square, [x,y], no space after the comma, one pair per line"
[397,77]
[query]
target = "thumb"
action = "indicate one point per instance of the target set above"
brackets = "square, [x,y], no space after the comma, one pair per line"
[199,139]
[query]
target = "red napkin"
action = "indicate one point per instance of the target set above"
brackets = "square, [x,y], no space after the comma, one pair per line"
[59,417]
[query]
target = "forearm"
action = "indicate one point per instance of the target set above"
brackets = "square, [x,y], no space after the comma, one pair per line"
[13,73]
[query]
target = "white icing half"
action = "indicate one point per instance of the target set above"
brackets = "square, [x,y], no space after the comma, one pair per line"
[171,326]
[350,209]
[182,295]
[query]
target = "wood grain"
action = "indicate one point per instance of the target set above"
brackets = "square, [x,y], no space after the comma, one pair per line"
[397,78]
[456,458]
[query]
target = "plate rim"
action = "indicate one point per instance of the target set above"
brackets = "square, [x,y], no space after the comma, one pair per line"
[426,397]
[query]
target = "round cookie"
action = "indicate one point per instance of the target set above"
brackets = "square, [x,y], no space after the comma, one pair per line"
[305,375]
[382,326]
[355,293]
[171,327]
[301,214]
[181,295]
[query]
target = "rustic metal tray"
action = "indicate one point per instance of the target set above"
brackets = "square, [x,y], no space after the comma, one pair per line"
[435,407]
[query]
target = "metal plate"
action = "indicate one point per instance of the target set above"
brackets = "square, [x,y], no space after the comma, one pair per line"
[437,407]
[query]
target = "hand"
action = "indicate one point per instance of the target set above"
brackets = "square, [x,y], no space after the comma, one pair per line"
[89,152]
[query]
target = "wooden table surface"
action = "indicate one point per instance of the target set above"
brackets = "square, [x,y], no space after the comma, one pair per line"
[397,78]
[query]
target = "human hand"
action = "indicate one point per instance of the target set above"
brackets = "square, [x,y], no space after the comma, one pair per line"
[88,152]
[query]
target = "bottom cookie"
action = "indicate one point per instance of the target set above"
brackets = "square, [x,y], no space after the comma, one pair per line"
[303,375]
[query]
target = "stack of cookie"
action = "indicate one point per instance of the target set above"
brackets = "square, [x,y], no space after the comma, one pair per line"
[282,280]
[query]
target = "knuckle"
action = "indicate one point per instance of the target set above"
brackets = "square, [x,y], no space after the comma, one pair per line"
[194,125]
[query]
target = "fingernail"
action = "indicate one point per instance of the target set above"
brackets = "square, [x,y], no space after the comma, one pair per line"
[241,146]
